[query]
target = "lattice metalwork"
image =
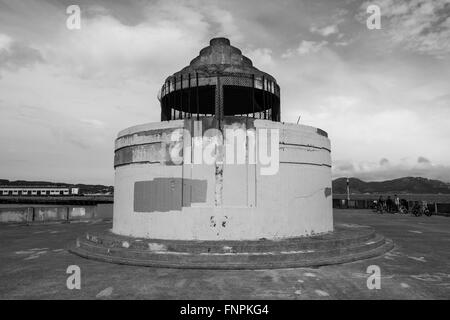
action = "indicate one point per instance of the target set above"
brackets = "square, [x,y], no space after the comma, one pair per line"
[182,98]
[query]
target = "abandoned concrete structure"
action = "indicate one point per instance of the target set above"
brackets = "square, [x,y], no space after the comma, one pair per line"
[156,198]
[220,182]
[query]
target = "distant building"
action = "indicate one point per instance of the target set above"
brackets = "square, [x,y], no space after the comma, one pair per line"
[37,191]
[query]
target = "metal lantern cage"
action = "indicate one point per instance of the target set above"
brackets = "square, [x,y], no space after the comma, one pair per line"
[220,82]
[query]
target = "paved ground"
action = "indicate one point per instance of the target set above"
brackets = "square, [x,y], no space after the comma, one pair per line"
[33,263]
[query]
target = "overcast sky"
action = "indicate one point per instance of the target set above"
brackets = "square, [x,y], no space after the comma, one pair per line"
[382,95]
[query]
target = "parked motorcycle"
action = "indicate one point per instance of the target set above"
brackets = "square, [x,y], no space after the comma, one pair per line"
[421,208]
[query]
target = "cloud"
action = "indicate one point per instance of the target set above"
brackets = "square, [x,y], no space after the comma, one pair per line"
[384,162]
[423,160]
[261,57]
[421,26]
[325,31]
[343,166]
[342,43]
[5,42]
[106,47]
[98,124]
[15,55]
[306,47]
[57,127]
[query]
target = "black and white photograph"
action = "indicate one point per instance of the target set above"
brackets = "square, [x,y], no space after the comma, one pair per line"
[225,154]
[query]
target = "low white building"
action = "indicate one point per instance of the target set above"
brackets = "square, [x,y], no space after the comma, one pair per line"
[37,191]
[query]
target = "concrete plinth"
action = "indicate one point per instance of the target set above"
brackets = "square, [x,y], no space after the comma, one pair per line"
[345,244]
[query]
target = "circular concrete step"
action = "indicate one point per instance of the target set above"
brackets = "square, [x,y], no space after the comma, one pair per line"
[347,243]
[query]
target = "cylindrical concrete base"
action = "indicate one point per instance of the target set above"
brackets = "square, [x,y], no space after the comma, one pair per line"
[278,185]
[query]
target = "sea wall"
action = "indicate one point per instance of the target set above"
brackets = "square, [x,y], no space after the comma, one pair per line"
[28,213]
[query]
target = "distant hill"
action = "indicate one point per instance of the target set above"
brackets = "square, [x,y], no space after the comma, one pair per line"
[411,185]
[84,188]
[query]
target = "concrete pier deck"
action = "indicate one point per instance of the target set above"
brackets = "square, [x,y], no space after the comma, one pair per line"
[33,263]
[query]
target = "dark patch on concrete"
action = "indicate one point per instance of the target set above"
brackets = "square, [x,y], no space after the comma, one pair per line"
[303,145]
[219,170]
[196,191]
[152,150]
[327,191]
[160,194]
[155,152]
[165,194]
[224,223]
[212,222]
[124,155]
[322,132]
[156,133]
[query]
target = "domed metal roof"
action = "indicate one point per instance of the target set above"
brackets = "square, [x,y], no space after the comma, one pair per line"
[221,58]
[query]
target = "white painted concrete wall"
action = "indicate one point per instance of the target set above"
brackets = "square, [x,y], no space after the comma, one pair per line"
[297,201]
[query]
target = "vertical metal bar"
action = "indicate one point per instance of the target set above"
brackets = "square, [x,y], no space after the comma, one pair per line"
[278,105]
[169,98]
[196,91]
[264,95]
[164,100]
[174,99]
[253,94]
[189,96]
[181,95]
[218,110]
[163,117]
[275,102]
[268,99]
[175,95]
[271,101]
[179,102]
[274,116]
[246,105]
[167,102]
